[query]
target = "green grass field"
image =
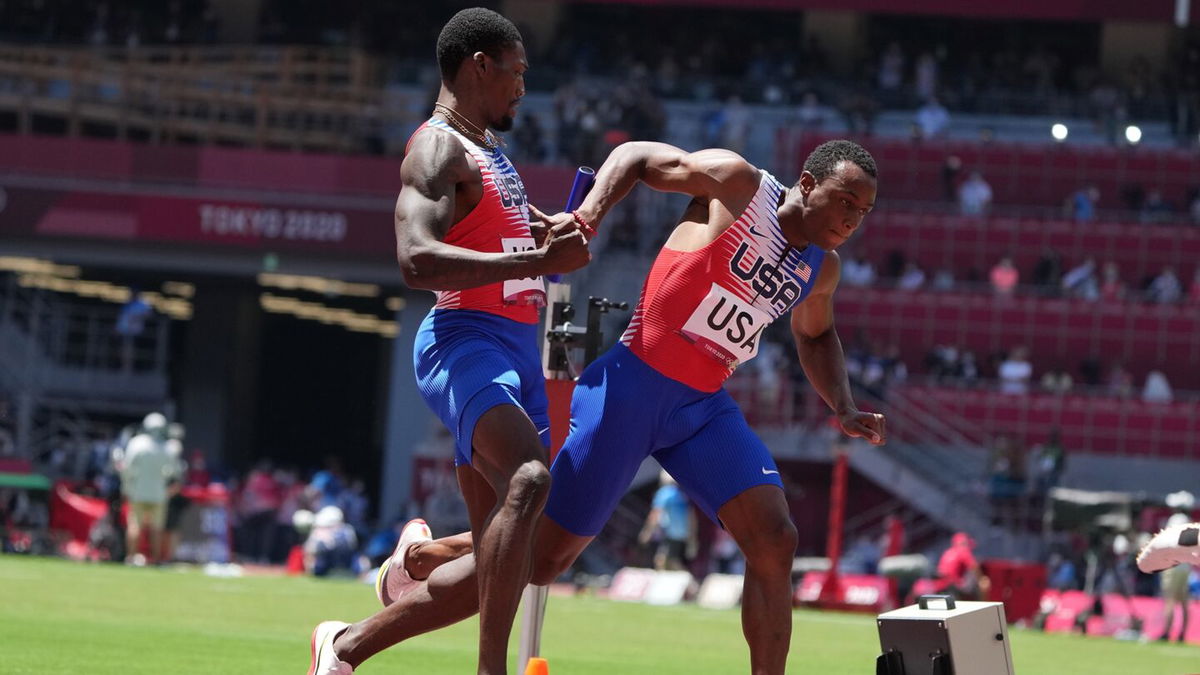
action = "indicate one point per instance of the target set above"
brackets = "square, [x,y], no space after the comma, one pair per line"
[63,617]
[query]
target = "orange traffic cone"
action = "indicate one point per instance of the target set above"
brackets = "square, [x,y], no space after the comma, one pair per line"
[537,666]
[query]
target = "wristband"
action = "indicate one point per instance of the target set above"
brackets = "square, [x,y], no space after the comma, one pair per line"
[583,224]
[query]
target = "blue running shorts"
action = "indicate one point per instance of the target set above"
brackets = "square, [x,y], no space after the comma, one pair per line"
[468,362]
[623,411]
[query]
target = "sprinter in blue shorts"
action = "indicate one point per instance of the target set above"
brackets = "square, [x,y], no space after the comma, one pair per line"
[463,231]
[746,251]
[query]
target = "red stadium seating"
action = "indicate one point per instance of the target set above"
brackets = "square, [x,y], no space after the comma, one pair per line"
[1059,333]
[1027,174]
[1087,423]
[964,245]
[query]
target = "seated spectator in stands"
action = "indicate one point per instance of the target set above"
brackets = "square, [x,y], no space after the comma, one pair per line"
[857,272]
[1080,281]
[530,139]
[912,279]
[1112,288]
[331,545]
[1015,372]
[950,171]
[1047,272]
[959,572]
[943,279]
[1004,277]
[1081,205]
[1157,389]
[1156,209]
[974,195]
[1057,382]
[1120,381]
[932,119]
[1165,289]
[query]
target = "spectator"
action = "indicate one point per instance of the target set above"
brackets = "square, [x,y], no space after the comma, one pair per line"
[975,195]
[1004,277]
[858,272]
[1015,372]
[145,467]
[331,545]
[1047,272]
[1156,209]
[1057,382]
[1049,462]
[810,114]
[943,279]
[932,119]
[1157,389]
[912,279]
[177,505]
[669,523]
[1080,281]
[1111,287]
[530,139]
[925,76]
[1165,289]
[959,572]
[950,171]
[1120,381]
[1081,205]
[891,69]
[261,497]
[1175,590]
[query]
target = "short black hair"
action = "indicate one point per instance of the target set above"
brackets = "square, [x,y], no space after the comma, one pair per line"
[825,157]
[473,30]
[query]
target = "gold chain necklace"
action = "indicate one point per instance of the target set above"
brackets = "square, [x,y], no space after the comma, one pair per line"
[457,120]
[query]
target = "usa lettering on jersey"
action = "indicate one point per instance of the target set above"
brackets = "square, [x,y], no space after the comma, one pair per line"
[765,279]
[726,327]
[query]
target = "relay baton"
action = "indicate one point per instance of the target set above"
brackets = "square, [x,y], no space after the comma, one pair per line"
[584,177]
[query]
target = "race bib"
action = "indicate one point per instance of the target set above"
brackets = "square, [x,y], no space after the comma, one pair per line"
[726,327]
[527,291]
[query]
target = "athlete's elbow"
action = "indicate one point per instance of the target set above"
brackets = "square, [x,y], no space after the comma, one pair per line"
[419,269]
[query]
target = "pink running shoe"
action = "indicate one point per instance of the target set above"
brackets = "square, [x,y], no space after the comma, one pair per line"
[324,661]
[1175,545]
[394,580]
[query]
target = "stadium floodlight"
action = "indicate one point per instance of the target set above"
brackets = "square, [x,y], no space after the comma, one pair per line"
[1133,134]
[1059,131]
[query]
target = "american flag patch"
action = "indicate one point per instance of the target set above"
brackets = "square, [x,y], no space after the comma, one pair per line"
[804,271]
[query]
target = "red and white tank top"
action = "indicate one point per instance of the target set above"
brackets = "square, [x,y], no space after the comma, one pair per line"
[499,223]
[702,313]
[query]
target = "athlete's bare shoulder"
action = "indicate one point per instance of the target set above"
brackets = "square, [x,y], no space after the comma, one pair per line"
[436,159]
[731,171]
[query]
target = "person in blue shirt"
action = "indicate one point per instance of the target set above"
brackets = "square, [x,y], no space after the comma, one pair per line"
[671,524]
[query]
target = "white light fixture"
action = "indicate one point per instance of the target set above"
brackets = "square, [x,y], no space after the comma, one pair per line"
[1133,134]
[1059,131]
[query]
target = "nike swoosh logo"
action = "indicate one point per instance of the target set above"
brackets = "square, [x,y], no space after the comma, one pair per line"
[755,232]
[768,473]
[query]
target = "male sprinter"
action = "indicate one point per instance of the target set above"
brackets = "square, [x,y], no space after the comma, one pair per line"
[462,230]
[746,251]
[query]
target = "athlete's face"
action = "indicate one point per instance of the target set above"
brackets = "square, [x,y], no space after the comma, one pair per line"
[836,206]
[504,85]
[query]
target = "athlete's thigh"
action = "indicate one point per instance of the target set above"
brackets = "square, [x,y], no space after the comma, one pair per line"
[463,378]
[721,459]
[614,418]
